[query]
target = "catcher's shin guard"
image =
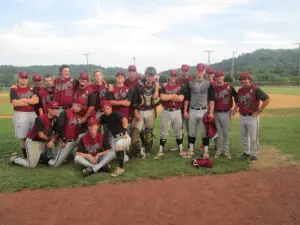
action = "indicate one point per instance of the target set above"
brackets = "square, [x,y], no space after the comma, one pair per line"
[148,138]
[136,144]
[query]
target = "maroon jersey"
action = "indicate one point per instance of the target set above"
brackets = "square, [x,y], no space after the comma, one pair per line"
[71,127]
[19,93]
[248,103]
[42,124]
[171,89]
[131,83]
[223,97]
[100,93]
[46,95]
[64,91]
[89,97]
[213,83]
[91,145]
[119,94]
[183,82]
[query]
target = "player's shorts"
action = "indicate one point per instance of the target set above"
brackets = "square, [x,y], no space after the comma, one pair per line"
[23,122]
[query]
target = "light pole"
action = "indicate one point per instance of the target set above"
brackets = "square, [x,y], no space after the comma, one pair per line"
[208,56]
[233,67]
[133,60]
[87,61]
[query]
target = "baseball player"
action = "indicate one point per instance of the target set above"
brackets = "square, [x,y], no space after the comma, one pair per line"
[132,79]
[40,137]
[37,82]
[183,82]
[225,94]
[145,93]
[99,88]
[93,153]
[171,97]
[23,99]
[211,75]
[117,124]
[84,91]
[46,94]
[199,99]
[69,125]
[64,88]
[249,97]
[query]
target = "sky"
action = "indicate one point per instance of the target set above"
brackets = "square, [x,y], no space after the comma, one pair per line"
[163,34]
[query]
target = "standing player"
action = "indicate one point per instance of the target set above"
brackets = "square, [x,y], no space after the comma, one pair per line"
[37,82]
[41,136]
[93,153]
[249,96]
[64,88]
[117,124]
[211,75]
[199,99]
[46,94]
[132,79]
[23,99]
[99,88]
[84,91]
[69,124]
[171,97]
[224,96]
[145,93]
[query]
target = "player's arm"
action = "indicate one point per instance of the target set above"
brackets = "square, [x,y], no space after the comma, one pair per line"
[164,96]
[235,97]
[81,151]
[134,105]
[62,120]
[211,100]
[261,95]
[91,106]
[40,129]
[179,97]
[187,98]
[15,100]
[155,95]
[125,125]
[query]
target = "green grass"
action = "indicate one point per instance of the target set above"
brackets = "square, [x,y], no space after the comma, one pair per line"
[282,90]
[6,108]
[280,132]
[6,97]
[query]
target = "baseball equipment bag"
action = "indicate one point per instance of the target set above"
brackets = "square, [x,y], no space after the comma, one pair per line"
[202,162]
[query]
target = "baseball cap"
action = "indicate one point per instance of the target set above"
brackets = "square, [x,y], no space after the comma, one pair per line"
[80,101]
[219,73]
[150,70]
[84,76]
[106,103]
[92,121]
[53,105]
[185,67]
[210,70]
[200,67]
[23,75]
[120,73]
[245,75]
[173,73]
[132,68]
[36,77]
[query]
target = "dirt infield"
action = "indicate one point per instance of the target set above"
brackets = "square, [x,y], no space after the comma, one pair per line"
[269,196]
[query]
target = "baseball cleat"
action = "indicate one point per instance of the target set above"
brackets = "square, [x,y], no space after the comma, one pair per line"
[118,172]
[217,154]
[12,158]
[159,155]
[251,159]
[206,155]
[244,156]
[183,155]
[142,153]
[87,171]
[190,152]
[227,155]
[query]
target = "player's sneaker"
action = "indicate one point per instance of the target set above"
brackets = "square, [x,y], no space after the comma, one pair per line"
[244,156]
[118,172]
[183,155]
[159,155]
[217,154]
[142,153]
[206,155]
[12,158]
[227,155]
[252,159]
[87,171]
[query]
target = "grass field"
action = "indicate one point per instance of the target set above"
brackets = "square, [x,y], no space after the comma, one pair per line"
[277,131]
[282,90]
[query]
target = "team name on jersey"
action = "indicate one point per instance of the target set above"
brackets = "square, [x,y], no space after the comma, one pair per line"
[122,94]
[245,98]
[64,86]
[222,94]
[93,148]
[28,94]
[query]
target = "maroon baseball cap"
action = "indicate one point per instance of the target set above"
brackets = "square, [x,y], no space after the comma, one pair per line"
[92,121]
[120,74]
[23,75]
[219,73]
[84,76]
[245,75]
[36,77]
[185,68]
[106,103]
[53,105]
[173,73]
[132,68]
[200,67]
[80,101]
[210,70]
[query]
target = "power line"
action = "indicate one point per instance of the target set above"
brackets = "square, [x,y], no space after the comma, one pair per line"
[208,55]
[87,61]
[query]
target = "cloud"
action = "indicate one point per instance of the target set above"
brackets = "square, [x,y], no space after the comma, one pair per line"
[253,37]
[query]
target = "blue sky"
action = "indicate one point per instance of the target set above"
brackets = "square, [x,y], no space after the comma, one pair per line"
[164,34]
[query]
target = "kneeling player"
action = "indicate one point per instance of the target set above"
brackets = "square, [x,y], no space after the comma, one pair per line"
[117,125]
[40,137]
[92,153]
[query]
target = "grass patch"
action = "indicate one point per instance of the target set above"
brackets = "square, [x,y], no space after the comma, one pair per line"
[282,90]
[280,132]
[6,108]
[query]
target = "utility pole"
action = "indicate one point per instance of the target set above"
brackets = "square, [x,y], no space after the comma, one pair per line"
[133,60]
[233,67]
[208,56]
[298,77]
[87,61]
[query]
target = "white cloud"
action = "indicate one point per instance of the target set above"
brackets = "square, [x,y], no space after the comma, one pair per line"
[260,38]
